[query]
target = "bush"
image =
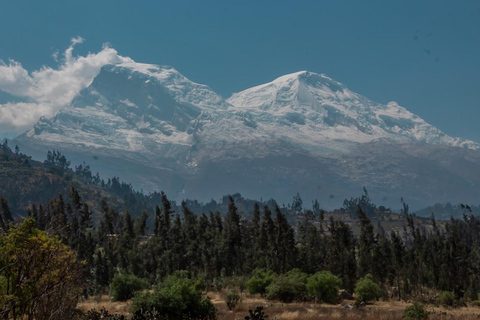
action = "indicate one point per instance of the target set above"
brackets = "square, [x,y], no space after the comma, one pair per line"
[99,315]
[416,312]
[124,286]
[36,291]
[446,298]
[259,282]
[366,290]
[288,287]
[324,286]
[232,299]
[476,303]
[256,314]
[178,297]
[103,314]
[235,282]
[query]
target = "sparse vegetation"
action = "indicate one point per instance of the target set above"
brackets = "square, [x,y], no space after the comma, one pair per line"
[232,299]
[446,298]
[177,297]
[366,290]
[324,286]
[256,314]
[288,287]
[39,276]
[124,286]
[259,282]
[416,312]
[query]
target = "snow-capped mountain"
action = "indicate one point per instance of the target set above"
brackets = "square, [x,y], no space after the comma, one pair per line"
[130,107]
[318,110]
[301,132]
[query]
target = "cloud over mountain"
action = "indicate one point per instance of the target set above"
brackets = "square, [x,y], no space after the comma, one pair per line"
[47,90]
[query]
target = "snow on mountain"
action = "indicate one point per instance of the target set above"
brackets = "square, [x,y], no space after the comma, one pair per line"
[131,106]
[184,90]
[317,110]
[134,106]
[157,129]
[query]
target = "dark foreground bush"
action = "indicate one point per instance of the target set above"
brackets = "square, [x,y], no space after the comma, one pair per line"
[475,303]
[178,297]
[288,287]
[103,314]
[324,286]
[256,314]
[416,312]
[232,299]
[446,298]
[366,290]
[259,282]
[123,287]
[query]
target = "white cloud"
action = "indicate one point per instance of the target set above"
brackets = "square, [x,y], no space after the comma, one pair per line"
[48,90]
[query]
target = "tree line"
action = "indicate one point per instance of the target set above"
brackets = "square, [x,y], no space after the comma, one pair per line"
[404,264]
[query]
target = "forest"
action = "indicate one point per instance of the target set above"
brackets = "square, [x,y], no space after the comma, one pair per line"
[168,257]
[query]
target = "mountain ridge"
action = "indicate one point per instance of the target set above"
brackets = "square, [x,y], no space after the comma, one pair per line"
[167,132]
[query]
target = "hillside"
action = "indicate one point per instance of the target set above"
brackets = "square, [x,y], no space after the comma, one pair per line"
[24,181]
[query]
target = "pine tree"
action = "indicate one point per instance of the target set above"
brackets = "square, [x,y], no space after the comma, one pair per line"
[310,245]
[5,214]
[233,258]
[251,239]
[266,240]
[366,245]
[284,243]
[141,224]
[340,253]
[398,261]
[157,219]
[128,232]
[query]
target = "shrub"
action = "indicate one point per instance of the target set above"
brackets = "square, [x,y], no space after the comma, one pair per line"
[232,299]
[446,298]
[99,315]
[288,287]
[103,314]
[298,274]
[416,312]
[43,274]
[256,314]
[324,286]
[235,282]
[124,286]
[366,290]
[178,297]
[476,303]
[259,282]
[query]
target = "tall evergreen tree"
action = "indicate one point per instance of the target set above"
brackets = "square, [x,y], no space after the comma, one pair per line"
[266,240]
[284,243]
[366,245]
[232,240]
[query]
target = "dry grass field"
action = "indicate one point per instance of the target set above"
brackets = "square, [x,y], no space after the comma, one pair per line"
[302,311]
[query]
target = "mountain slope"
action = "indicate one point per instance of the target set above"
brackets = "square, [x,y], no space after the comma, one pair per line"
[24,182]
[319,109]
[302,132]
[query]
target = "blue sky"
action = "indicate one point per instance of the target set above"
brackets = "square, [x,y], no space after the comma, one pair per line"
[422,54]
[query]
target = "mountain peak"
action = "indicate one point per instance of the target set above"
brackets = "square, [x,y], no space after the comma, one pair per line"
[180,87]
[310,79]
[164,130]
[302,88]
[322,110]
